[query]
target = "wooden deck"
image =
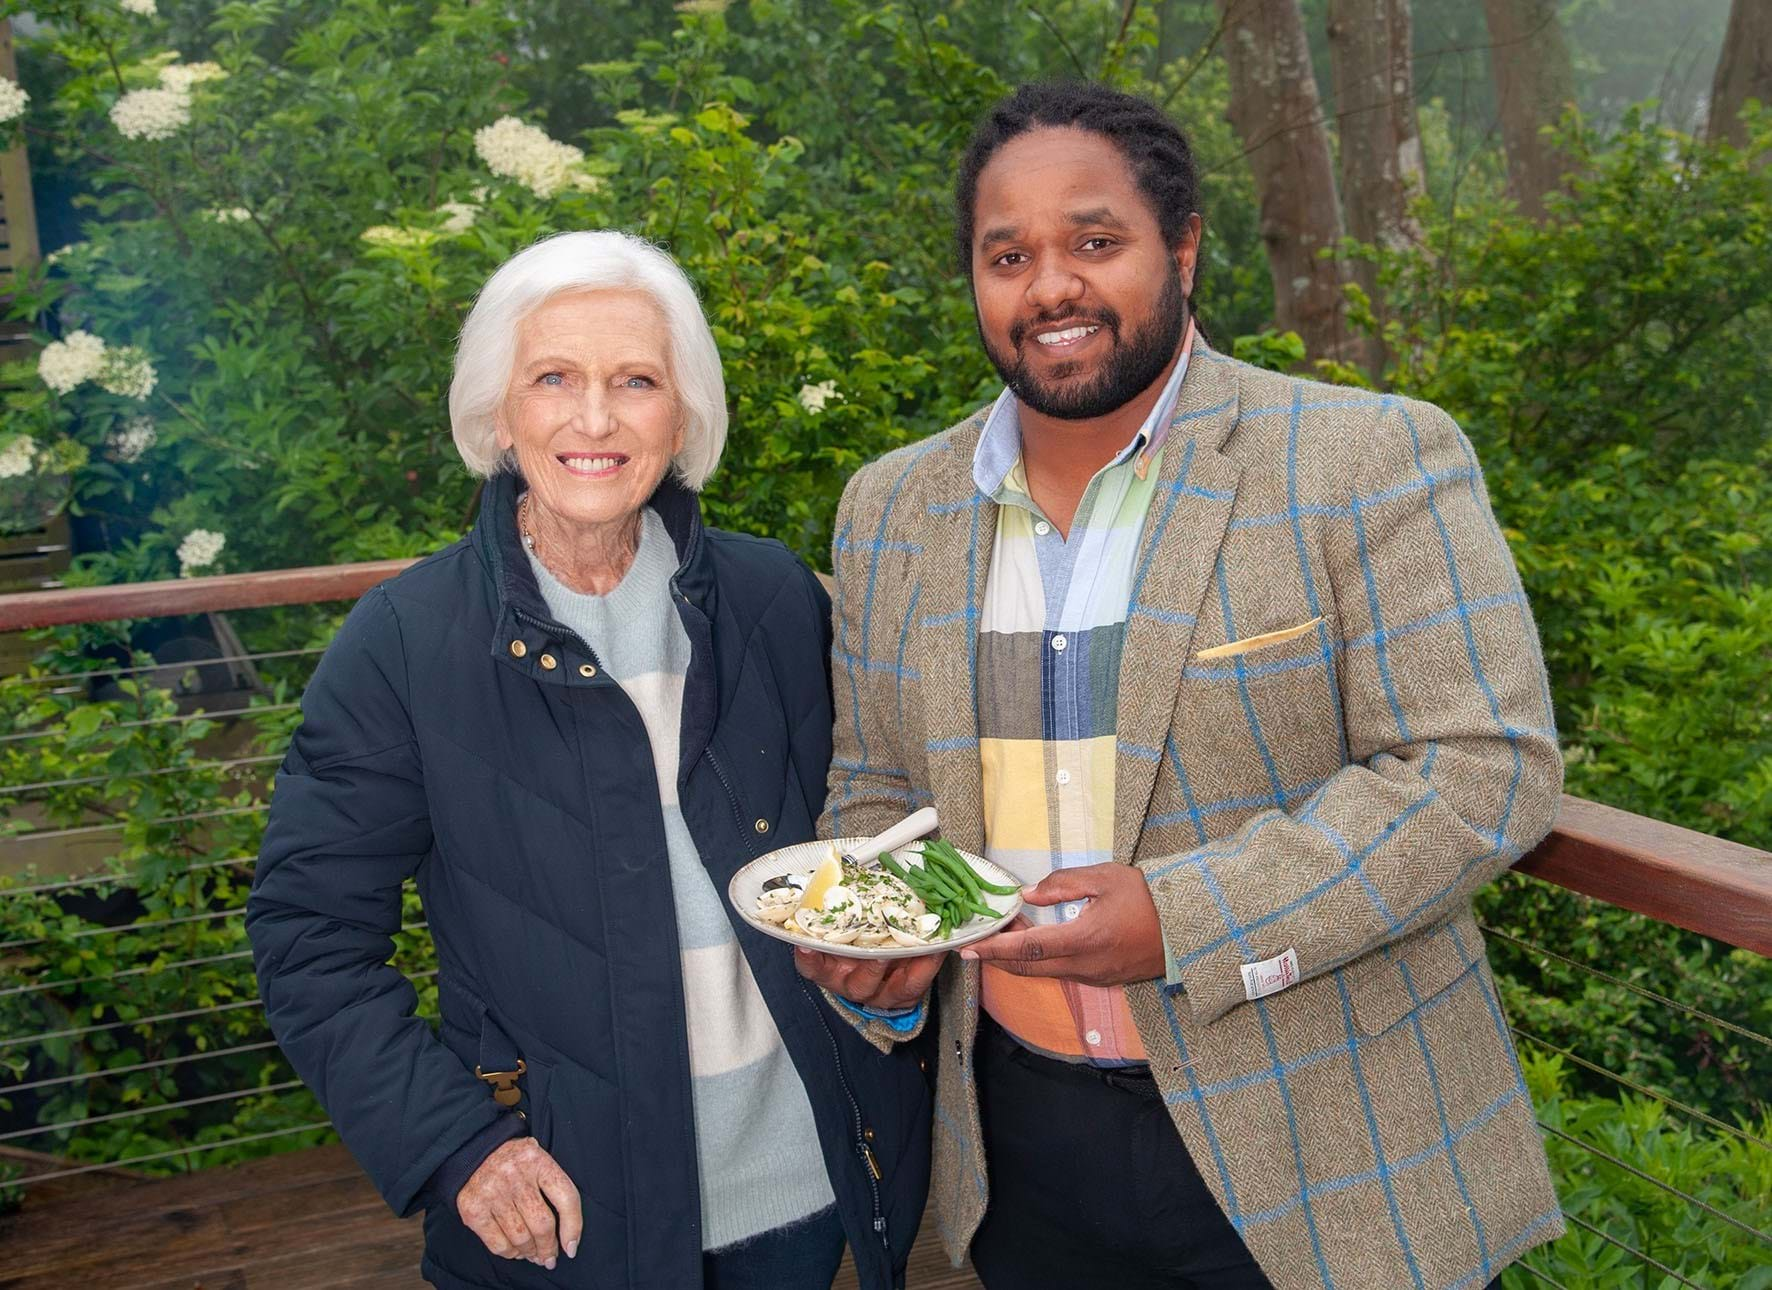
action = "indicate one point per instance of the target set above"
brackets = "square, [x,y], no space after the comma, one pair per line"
[307,1220]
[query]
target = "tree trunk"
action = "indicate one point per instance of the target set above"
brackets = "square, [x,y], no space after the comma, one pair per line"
[1279,118]
[1374,111]
[1744,70]
[1534,86]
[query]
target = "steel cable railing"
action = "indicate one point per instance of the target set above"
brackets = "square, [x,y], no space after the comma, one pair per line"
[1652,1180]
[33,1179]
[134,1068]
[227,714]
[77,780]
[1632,1251]
[1542,1275]
[74,1032]
[139,1112]
[103,879]
[1635,1087]
[87,830]
[1632,986]
[42,987]
[180,665]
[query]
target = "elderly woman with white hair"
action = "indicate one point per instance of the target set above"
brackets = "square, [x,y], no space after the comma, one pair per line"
[571,727]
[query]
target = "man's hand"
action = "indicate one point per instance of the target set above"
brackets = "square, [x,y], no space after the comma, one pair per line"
[885,985]
[503,1204]
[1116,940]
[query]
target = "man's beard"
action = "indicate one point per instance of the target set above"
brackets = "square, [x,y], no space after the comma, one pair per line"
[1131,366]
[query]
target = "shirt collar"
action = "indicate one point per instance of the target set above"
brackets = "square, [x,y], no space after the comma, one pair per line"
[999,444]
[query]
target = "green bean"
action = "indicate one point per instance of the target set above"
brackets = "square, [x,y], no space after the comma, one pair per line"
[947,851]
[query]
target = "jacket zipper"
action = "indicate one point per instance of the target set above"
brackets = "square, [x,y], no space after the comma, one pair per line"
[862,1149]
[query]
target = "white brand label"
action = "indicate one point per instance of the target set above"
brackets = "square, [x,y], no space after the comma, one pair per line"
[1269,975]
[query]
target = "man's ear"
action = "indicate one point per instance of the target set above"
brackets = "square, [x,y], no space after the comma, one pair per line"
[1187,254]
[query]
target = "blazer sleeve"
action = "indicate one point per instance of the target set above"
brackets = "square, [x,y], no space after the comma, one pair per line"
[868,789]
[1454,768]
[348,825]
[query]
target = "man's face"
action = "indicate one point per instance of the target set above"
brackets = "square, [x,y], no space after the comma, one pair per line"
[1080,305]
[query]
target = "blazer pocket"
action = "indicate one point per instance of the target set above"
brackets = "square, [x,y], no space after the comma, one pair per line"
[1388,988]
[1249,644]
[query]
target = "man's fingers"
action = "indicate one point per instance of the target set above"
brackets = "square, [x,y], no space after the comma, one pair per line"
[563,1196]
[1065,884]
[1038,951]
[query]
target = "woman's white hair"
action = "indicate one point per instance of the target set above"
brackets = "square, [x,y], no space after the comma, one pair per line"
[592,261]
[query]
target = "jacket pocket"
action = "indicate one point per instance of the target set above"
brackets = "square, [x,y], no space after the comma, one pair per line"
[1250,644]
[1394,982]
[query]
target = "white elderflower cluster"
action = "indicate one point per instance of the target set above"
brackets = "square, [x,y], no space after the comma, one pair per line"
[179,77]
[814,397]
[142,8]
[151,114]
[461,216]
[12,100]
[391,235]
[70,361]
[131,443]
[127,373]
[54,256]
[199,550]
[229,215]
[517,150]
[18,457]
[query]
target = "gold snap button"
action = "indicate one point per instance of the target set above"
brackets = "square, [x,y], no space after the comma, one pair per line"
[923,1065]
[586,670]
[868,1134]
[548,662]
[518,649]
[762,826]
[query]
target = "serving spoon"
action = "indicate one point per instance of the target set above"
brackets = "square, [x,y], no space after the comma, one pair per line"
[867,855]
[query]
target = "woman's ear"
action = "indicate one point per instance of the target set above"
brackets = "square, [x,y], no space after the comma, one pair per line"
[501,429]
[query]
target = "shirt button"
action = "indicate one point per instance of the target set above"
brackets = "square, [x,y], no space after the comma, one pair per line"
[1072,910]
[1058,643]
[1042,528]
[586,670]
[1063,777]
[1094,1038]
[518,649]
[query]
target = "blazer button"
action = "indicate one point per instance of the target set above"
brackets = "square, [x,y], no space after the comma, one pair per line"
[548,662]
[586,670]
[762,826]
[518,649]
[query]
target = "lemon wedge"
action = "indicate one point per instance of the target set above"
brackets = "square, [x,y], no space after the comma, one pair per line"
[826,876]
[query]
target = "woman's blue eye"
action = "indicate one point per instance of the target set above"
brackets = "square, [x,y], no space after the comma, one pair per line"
[552,378]
[639,382]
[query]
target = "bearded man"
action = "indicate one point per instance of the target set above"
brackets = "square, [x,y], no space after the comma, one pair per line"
[1234,670]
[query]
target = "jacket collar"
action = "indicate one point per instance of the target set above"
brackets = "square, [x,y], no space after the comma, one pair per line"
[1177,552]
[522,612]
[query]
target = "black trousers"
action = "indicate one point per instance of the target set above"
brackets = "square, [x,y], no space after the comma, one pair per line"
[1091,1187]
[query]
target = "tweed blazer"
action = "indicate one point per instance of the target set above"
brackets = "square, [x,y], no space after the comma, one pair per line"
[1334,726]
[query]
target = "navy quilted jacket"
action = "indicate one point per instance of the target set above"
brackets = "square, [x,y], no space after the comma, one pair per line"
[454,733]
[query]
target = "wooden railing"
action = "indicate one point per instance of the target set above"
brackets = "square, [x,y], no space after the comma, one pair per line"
[1692,880]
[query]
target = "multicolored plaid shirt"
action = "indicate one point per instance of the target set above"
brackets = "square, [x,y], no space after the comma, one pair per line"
[1055,608]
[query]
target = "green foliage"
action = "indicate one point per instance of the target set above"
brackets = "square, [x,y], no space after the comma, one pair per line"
[1722,1171]
[295,262]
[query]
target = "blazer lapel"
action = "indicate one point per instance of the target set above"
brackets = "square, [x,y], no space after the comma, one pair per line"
[959,532]
[1177,552]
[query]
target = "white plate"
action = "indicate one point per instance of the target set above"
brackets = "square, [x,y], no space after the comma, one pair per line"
[747,885]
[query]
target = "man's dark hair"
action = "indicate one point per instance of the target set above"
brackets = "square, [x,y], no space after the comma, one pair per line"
[1155,148]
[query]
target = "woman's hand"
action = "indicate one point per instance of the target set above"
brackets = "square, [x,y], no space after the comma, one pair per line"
[503,1204]
[884,985]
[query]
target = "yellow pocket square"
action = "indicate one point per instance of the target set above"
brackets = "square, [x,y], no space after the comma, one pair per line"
[1251,643]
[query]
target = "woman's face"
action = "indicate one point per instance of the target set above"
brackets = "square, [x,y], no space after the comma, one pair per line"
[590,410]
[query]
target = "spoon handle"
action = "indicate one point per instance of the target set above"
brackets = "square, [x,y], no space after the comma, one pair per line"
[909,829]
